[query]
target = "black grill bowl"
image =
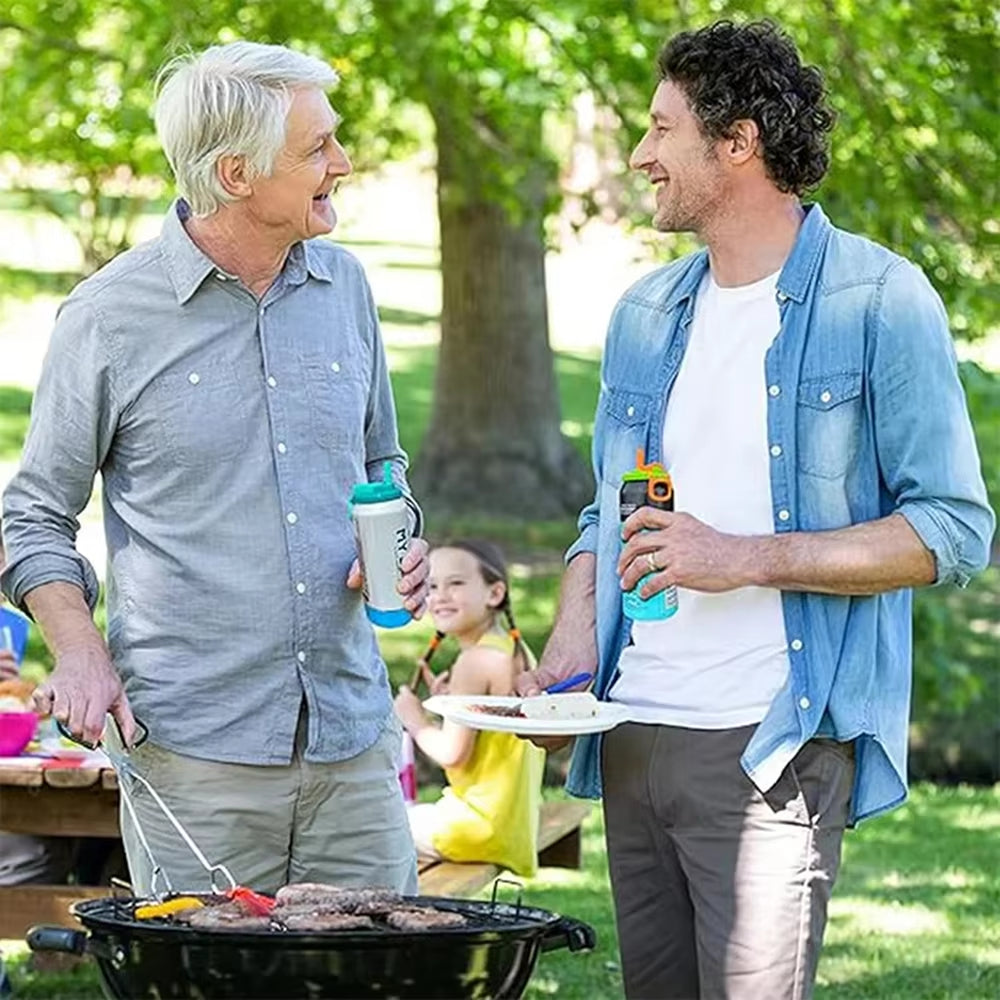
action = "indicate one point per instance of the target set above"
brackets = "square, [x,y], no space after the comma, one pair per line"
[492,956]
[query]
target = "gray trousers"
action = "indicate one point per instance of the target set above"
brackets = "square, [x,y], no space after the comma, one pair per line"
[720,891]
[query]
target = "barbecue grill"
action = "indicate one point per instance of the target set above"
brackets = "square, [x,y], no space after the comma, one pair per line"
[492,955]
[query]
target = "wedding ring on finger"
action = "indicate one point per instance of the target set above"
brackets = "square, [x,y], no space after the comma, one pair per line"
[651,562]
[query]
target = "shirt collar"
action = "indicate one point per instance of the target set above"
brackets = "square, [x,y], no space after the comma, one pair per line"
[796,275]
[686,286]
[188,266]
[807,251]
[315,262]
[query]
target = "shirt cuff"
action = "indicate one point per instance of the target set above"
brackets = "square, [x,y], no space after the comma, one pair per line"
[587,542]
[934,533]
[25,575]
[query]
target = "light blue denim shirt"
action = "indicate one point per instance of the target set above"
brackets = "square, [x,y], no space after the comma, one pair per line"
[228,433]
[865,417]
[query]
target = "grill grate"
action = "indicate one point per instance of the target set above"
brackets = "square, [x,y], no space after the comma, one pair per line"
[480,916]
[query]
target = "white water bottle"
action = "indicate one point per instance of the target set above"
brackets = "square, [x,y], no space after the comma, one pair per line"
[382,524]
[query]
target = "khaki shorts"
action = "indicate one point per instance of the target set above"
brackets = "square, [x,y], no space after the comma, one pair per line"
[343,823]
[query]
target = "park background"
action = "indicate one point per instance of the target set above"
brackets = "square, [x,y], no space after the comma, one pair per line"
[493,211]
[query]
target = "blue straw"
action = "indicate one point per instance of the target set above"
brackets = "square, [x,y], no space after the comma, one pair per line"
[570,682]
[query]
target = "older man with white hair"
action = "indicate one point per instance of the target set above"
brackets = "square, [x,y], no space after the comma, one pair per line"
[229,383]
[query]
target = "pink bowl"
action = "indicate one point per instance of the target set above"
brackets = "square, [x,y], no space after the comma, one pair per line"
[16,731]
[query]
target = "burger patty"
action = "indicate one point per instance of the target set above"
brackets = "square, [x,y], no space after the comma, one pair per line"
[224,917]
[313,921]
[316,897]
[419,919]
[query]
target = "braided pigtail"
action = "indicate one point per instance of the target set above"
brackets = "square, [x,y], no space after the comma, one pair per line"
[425,660]
[435,641]
[521,657]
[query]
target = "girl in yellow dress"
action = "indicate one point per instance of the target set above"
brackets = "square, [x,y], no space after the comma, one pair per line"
[489,811]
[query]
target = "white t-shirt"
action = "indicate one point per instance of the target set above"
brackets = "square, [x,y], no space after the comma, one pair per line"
[718,662]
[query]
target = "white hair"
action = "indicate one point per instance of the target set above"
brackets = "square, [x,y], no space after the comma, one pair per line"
[230,100]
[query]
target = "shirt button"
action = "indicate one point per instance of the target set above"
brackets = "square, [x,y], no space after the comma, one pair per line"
[782,297]
[804,702]
[775,450]
[282,448]
[272,381]
[773,390]
[335,367]
[301,656]
[300,588]
[221,276]
[796,644]
[824,396]
[783,515]
[194,378]
[631,411]
[291,517]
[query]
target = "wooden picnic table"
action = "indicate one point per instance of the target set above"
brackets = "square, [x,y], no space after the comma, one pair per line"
[48,798]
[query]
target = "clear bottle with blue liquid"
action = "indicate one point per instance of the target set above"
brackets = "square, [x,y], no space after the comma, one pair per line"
[647,485]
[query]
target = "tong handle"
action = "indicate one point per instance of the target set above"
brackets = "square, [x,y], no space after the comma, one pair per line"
[141,729]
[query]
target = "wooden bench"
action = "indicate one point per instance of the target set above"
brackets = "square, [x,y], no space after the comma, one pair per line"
[84,803]
[558,846]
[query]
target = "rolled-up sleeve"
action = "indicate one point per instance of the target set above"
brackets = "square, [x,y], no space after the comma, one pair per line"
[72,424]
[926,446]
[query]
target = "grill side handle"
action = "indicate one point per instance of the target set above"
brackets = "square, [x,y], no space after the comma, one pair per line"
[44,937]
[569,933]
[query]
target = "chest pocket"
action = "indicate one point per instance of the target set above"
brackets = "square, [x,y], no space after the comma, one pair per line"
[337,402]
[629,413]
[627,407]
[829,415]
[204,414]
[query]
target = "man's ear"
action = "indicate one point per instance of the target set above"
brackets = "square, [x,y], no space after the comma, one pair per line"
[232,173]
[742,142]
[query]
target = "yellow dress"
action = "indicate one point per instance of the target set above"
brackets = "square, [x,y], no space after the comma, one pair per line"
[489,812]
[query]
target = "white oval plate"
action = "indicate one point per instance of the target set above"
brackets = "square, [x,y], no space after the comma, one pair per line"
[455,708]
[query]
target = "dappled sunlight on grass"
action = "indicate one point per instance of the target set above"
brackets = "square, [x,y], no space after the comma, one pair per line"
[862,916]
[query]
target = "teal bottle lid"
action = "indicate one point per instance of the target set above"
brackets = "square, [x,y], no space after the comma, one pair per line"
[377,492]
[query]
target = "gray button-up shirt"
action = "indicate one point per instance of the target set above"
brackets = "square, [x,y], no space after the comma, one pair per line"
[228,433]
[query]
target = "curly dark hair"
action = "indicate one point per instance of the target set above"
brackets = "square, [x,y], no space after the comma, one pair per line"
[753,71]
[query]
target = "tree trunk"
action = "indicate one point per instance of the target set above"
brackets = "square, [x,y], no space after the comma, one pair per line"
[494,444]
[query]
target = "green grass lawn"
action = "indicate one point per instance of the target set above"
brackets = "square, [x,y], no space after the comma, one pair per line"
[915,915]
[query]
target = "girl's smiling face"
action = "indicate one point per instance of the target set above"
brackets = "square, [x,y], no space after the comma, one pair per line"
[461,602]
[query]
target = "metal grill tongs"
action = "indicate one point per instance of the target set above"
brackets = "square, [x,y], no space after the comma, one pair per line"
[128,776]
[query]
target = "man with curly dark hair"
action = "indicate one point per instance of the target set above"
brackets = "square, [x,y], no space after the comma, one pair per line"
[800,385]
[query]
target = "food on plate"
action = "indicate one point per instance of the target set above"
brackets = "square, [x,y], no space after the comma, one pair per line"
[507,711]
[575,705]
[15,695]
